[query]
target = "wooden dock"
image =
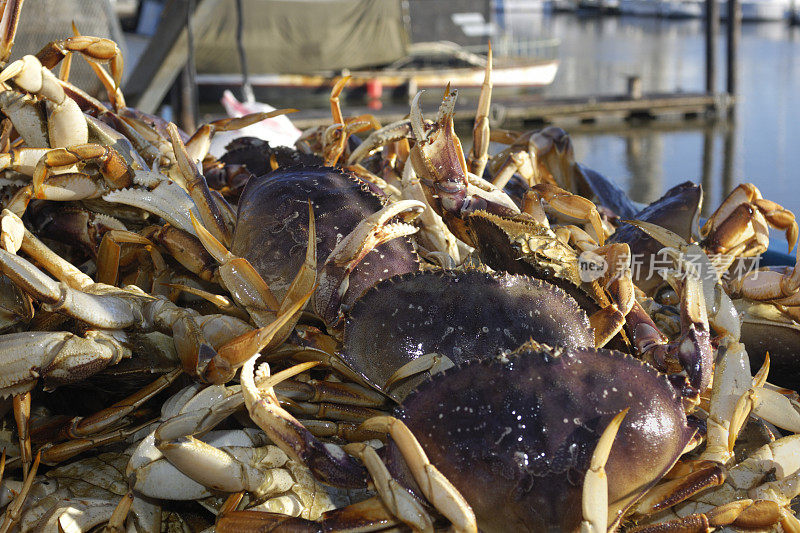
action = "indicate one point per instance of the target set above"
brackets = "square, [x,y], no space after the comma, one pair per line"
[534,109]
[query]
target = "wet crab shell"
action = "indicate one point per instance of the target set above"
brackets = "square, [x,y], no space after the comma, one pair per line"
[515,434]
[459,314]
[256,153]
[678,211]
[272,226]
[520,246]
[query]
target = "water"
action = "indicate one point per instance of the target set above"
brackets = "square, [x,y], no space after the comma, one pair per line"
[760,145]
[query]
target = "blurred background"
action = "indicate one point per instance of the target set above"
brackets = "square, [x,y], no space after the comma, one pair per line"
[628,79]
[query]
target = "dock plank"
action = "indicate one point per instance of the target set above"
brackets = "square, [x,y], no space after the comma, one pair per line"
[533,108]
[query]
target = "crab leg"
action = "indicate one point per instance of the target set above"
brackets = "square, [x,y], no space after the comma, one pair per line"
[434,234]
[108,253]
[195,184]
[213,467]
[113,91]
[436,488]
[748,514]
[315,390]
[12,231]
[78,185]
[595,484]
[240,278]
[340,430]
[185,248]
[67,450]
[722,313]
[62,269]
[765,504]
[58,357]
[27,117]
[8,27]
[609,320]
[116,523]
[22,160]
[11,516]
[760,400]
[744,215]
[106,311]
[199,143]
[327,461]
[429,362]
[66,125]
[22,416]
[544,156]
[348,253]
[396,131]
[516,162]
[570,204]
[226,460]
[396,498]
[249,289]
[334,147]
[368,515]
[222,367]
[80,427]
[478,154]
[347,413]
[439,162]
[94,49]
[777,285]
[108,307]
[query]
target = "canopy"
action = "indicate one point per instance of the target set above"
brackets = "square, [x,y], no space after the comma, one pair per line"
[300,37]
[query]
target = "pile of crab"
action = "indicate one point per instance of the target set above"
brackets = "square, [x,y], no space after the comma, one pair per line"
[370,334]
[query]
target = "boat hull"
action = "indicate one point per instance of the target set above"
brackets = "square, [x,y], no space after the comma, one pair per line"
[269,86]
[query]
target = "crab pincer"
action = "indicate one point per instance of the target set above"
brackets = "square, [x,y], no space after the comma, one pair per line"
[329,462]
[438,160]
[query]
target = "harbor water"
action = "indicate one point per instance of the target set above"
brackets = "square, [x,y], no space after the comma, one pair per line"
[760,145]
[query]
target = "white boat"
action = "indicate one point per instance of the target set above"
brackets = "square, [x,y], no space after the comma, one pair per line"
[600,6]
[524,6]
[759,10]
[564,6]
[683,8]
[428,65]
[640,8]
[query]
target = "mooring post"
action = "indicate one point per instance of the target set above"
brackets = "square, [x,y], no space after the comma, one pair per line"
[634,87]
[708,168]
[712,31]
[728,156]
[734,33]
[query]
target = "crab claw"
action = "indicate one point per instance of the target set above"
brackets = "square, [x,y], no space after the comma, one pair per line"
[8,27]
[12,231]
[695,279]
[328,462]
[693,348]
[742,222]
[663,235]
[437,155]
[438,160]
[371,232]
[721,313]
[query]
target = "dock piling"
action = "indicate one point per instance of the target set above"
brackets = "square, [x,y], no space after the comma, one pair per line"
[712,30]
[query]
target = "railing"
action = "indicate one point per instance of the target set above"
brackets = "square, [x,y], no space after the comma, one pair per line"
[509,46]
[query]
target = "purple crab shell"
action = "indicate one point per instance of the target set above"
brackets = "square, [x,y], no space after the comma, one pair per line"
[272,227]
[459,314]
[515,434]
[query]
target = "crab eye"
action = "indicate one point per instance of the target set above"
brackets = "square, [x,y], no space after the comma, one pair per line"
[667,296]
